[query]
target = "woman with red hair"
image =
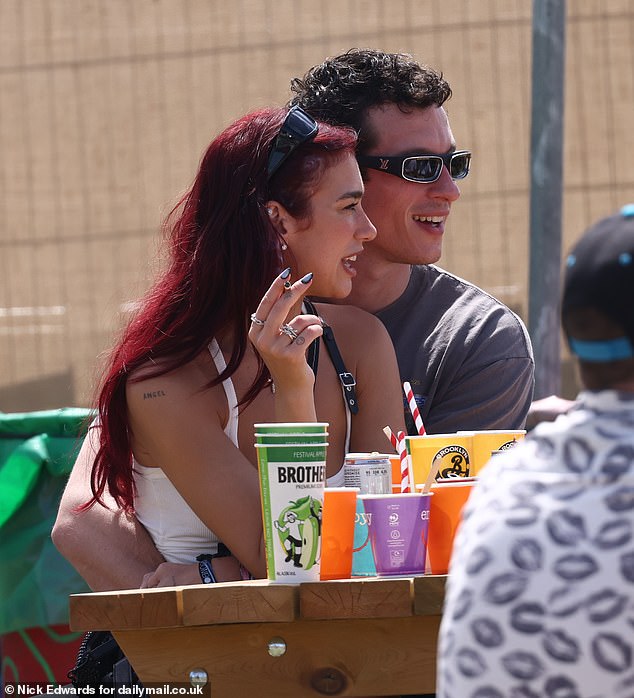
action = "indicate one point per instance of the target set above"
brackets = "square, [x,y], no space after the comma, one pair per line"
[216,347]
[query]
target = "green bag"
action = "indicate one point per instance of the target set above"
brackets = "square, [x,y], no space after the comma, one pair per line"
[37,452]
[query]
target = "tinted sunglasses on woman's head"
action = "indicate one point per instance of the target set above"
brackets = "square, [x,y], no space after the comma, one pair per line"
[298,127]
[419,168]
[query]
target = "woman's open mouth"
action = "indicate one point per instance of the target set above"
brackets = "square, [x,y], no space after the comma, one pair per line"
[348,263]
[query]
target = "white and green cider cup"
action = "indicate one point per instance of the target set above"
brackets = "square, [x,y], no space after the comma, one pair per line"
[292,482]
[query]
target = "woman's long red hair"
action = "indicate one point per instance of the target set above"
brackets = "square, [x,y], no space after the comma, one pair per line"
[223,255]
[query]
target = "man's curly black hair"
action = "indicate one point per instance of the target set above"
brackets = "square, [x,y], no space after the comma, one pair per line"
[342,89]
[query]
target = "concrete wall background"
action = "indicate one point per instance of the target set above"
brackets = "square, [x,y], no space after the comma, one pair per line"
[107,105]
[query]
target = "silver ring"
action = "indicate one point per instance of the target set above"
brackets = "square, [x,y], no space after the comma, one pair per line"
[289,332]
[257,321]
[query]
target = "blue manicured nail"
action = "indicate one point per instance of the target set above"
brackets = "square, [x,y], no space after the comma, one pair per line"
[286,273]
[308,278]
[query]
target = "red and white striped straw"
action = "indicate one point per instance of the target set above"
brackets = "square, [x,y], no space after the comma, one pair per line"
[390,435]
[413,408]
[406,480]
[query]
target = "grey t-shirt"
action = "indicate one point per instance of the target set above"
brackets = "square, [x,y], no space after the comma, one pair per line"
[467,356]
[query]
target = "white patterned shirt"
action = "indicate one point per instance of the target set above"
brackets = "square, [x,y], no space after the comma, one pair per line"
[540,594]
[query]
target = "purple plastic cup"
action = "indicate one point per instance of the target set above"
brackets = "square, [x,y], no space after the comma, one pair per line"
[398,525]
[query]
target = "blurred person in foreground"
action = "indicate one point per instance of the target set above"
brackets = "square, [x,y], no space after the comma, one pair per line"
[540,593]
[466,355]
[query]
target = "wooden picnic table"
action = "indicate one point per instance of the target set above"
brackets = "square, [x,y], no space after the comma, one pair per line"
[356,637]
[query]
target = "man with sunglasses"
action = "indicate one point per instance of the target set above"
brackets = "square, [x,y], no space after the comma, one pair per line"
[466,355]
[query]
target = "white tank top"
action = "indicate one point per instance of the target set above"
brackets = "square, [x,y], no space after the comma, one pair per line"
[179,535]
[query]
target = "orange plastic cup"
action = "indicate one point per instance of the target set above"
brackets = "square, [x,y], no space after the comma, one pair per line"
[444,517]
[337,532]
[395,461]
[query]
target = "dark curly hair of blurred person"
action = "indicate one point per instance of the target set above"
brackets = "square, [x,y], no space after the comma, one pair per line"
[342,89]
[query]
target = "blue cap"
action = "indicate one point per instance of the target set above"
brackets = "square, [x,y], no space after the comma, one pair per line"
[599,274]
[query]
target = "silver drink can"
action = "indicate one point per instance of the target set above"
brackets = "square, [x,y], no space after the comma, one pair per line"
[370,472]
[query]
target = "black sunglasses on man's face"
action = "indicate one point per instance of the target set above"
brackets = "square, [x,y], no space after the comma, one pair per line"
[419,168]
[298,127]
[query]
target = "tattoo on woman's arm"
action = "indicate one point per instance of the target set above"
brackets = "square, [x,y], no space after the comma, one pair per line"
[153,393]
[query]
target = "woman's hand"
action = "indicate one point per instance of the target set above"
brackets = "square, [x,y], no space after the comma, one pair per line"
[174,574]
[171,574]
[282,346]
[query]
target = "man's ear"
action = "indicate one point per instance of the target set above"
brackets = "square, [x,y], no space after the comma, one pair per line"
[283,221]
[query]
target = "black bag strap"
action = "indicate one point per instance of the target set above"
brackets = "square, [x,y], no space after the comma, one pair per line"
[348,382]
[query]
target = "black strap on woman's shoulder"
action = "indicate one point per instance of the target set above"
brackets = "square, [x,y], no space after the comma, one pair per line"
[347,379]
[348,382]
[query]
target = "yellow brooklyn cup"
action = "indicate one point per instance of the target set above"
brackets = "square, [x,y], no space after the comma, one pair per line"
[451,452]
[486,442]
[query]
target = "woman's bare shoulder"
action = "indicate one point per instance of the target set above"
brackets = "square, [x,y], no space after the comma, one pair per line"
[350,322]
[336,315]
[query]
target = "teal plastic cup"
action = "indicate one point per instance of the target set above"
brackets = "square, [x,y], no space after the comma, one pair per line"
[362,557]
